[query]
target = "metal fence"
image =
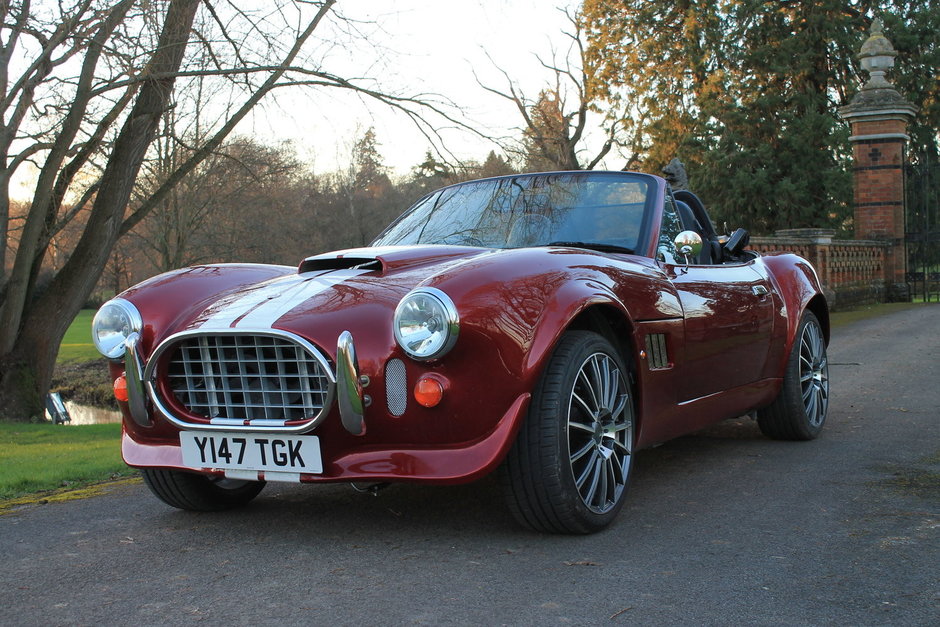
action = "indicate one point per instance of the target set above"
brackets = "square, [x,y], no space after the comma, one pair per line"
[922,231]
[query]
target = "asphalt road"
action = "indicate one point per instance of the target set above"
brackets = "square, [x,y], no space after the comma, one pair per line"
[722,528]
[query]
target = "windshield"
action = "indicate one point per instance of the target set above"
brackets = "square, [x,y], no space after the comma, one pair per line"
[604,209]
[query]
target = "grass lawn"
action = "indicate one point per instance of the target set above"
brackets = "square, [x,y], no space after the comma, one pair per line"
[40,457]
[77,344]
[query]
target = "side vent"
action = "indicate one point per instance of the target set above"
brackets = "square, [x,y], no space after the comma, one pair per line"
[656,354]
[396,387]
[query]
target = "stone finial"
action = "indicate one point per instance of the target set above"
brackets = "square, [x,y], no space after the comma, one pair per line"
[675,175]
[877,57]
[878,95]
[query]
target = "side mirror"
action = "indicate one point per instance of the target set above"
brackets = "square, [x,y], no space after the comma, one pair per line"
[689,244]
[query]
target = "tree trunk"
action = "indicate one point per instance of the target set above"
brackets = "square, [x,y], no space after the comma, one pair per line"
[26,369]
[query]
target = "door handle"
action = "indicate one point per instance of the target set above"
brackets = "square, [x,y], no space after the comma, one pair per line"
[759,291]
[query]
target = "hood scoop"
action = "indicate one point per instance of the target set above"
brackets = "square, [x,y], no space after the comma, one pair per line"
[385,258]
[321,263]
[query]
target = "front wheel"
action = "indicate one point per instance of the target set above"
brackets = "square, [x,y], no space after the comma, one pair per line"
[199,493]
[799,411]
[569,469]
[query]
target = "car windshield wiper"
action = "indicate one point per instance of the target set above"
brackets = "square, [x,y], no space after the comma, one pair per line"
[604,248]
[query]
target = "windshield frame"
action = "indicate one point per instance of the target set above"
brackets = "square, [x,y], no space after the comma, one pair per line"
[654,193]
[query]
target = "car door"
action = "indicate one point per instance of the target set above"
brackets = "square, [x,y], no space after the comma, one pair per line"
[728,317]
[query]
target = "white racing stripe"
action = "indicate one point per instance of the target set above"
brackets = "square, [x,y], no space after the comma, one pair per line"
[262,307]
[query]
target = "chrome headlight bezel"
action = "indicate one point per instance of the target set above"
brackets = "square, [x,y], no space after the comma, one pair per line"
[419,309]
[114,322]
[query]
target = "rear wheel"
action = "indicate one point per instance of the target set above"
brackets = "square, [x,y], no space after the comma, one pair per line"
[569,468]
[199,493]
[799,411]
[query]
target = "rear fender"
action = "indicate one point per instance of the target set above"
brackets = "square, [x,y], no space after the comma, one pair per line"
[796,282]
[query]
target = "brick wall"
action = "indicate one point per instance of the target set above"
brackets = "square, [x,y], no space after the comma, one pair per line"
[852,272]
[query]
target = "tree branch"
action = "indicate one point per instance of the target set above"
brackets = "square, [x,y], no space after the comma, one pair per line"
[216,140]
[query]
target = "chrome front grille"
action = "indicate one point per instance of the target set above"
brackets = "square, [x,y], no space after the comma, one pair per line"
[267,378]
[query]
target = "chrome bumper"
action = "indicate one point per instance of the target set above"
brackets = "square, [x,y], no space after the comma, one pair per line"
[133,372]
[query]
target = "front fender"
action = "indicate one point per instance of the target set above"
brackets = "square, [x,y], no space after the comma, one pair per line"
[519,303]
[169,300]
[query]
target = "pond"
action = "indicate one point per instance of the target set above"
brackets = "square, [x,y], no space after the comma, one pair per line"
[88,415]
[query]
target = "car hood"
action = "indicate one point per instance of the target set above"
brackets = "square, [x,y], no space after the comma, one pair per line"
[357,290]
[343,282]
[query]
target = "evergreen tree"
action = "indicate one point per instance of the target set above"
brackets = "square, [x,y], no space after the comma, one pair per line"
[370,177]
[777,153]
[745,92]
[914,30]
[495,165]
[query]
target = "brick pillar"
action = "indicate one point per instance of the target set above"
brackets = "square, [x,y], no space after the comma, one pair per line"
[879,116]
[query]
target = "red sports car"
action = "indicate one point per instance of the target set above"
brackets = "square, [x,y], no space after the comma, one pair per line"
[545,326]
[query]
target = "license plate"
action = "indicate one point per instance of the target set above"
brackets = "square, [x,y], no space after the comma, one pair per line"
[244,451]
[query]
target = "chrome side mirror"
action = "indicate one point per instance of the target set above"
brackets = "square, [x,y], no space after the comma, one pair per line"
[689,244]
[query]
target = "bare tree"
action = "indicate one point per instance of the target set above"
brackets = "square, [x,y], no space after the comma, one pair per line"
[203,216]
[84,85]
[556,121]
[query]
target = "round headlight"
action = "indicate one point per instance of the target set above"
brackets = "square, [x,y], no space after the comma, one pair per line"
[426,323]
[113,323]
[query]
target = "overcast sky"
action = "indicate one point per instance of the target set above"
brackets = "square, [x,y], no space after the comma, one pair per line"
[409,47]
[424,45]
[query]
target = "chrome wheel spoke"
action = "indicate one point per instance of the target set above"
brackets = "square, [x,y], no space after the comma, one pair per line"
[581,426]
[599,409]
[597,380]
[586,384]
[817,409]
[595,472]
[809,401]
[587,469]
[814,374]
[619,405]
[807,392]
[600,495]
[616,469]
[611,383]
[620,426]
[584,406]
[584,450]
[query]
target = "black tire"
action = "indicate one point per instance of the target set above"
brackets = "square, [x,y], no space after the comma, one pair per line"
[799,411]
[549,488]
[199,493]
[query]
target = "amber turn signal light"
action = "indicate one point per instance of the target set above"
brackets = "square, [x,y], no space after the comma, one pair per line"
[429,391]
[120,388]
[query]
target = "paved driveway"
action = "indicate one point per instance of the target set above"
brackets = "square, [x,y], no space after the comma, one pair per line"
[723,527]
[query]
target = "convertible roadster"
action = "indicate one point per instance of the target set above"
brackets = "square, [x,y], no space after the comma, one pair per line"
[542,326]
